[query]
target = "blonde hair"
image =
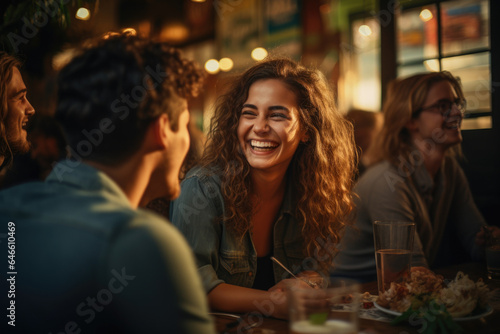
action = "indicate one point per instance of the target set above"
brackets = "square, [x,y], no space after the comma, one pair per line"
[322,168]
[404,99]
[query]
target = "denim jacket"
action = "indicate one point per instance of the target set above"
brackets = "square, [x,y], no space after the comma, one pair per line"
[221,257]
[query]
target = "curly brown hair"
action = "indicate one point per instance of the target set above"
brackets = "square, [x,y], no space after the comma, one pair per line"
[126,82]
[7,63]
[322,168]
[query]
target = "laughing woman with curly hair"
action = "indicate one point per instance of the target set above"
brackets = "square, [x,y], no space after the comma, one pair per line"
[274,180]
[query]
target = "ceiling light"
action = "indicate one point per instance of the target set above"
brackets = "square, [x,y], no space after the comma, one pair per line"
[82,14]
[259,53]
[212,66]
[226,64]
[365,30]
[426,15]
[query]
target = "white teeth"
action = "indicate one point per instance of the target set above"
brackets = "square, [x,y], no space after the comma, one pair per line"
[452,125]
[261,144]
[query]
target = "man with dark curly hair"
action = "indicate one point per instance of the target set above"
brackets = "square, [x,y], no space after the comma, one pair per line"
[15,110]
[88,260]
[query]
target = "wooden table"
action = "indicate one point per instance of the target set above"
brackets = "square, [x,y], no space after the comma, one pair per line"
[487,325]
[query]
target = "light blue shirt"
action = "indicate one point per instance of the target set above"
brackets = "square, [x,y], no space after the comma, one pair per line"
[85,259]
[221,257]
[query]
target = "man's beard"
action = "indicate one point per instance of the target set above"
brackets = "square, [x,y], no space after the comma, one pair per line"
[19,146]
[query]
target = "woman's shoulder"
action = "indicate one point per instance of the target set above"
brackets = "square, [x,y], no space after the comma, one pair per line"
[200,198]
[201,181]
[204,175]
[381,178]
[377,171]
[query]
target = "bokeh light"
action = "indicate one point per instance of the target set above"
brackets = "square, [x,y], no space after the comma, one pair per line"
[226,64]
[426,15]
[259,53]
[82,14]
[365,30]
[212,66]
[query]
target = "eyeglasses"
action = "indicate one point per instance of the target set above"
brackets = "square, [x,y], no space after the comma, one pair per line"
[444,107]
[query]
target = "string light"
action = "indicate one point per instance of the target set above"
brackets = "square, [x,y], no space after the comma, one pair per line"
[259,54]
[426,15]
[226,64]
[212,66]
[82,14]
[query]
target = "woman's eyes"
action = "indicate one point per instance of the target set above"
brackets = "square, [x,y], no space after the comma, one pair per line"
[248,113]
[274,115]
[444,107]
[280,115]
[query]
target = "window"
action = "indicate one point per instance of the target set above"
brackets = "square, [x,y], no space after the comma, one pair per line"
[452,36]
[362,66]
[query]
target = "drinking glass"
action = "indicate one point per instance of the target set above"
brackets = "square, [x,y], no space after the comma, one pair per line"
[393,248]
[493,259]
[330,309]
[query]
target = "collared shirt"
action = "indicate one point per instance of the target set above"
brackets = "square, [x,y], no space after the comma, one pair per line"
[444,212]
[221,257]
[86,260]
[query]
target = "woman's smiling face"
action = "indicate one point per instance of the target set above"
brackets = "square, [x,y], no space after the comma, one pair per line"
[269,131]
[431,125]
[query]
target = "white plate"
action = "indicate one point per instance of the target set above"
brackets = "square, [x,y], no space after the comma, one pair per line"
[476,314]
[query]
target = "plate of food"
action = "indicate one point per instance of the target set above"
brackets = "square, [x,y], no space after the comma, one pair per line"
[478,313]
[426,293]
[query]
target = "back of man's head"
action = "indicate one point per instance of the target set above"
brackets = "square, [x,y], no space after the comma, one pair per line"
[7,63]
[111,92]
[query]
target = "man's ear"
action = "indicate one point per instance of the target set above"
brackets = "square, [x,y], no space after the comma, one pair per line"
[160,133]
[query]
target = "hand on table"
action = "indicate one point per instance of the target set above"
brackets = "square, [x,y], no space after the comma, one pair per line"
[279,297]
[279,292]
[289,282]
[314,278]
[305,276]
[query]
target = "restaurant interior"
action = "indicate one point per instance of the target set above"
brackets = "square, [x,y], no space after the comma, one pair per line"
[359,45]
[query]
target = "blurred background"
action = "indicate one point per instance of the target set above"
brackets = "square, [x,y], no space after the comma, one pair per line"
[359,45]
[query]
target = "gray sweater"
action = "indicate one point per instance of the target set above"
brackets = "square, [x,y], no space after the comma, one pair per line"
[387,192]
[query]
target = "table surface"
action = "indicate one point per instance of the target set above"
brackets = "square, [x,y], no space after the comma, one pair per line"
[486,325]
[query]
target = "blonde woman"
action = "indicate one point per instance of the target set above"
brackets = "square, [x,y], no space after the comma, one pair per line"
[275,180]
[417,179]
